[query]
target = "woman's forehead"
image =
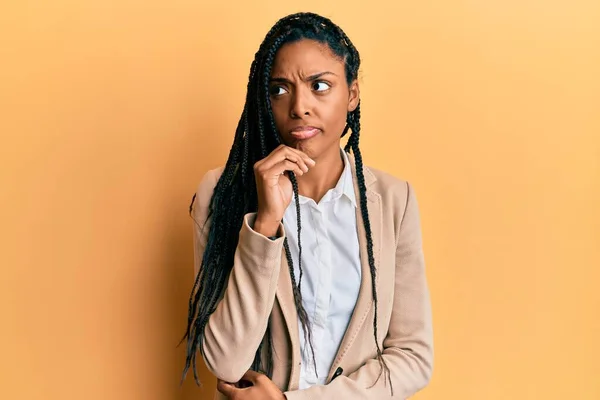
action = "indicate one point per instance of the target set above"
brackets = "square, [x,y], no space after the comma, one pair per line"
[308,56]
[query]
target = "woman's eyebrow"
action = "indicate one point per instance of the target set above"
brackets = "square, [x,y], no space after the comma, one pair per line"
[307,79]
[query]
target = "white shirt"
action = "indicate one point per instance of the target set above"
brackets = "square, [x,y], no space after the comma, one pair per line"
[331,271]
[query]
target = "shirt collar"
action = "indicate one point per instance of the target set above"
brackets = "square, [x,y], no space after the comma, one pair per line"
[344,186]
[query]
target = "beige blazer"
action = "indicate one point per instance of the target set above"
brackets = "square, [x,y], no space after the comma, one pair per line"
[259,291]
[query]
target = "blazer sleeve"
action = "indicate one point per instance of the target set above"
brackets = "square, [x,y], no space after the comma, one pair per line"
[236,328]
[408,345]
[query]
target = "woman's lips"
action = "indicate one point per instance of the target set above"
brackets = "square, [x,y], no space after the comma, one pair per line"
[305,132]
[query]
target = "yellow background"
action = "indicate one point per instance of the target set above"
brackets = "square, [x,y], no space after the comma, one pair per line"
[112,111]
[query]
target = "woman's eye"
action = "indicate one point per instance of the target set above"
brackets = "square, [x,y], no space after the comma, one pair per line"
[321,86]
[278,90]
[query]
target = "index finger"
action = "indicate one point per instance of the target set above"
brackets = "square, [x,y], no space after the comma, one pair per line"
[301,154]
[227,389]
[285,152]
[253,376]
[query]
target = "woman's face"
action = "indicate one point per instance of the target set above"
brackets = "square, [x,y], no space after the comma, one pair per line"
[310,97]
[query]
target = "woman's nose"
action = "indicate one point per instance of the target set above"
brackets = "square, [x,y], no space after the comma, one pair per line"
[301,103]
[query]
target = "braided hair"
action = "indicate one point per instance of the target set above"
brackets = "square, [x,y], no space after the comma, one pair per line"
[235,193]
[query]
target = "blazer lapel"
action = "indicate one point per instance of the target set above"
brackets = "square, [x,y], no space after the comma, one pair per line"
[285,298]
[365,296]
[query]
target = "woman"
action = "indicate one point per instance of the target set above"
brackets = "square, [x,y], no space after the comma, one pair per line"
[324,296]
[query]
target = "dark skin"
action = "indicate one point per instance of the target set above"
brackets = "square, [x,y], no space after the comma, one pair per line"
[308,90]
[252,386]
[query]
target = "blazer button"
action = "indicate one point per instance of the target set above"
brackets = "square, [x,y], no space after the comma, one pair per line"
[337,373]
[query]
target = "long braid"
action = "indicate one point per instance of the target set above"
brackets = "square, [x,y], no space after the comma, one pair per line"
[211,276]
[353,142]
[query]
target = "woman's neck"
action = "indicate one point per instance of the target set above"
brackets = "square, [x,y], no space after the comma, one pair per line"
[323,176]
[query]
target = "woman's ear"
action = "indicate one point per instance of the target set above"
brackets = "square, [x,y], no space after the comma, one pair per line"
[354,96]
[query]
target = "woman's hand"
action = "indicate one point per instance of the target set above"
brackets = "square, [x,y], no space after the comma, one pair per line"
[274,188]
[261,388]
